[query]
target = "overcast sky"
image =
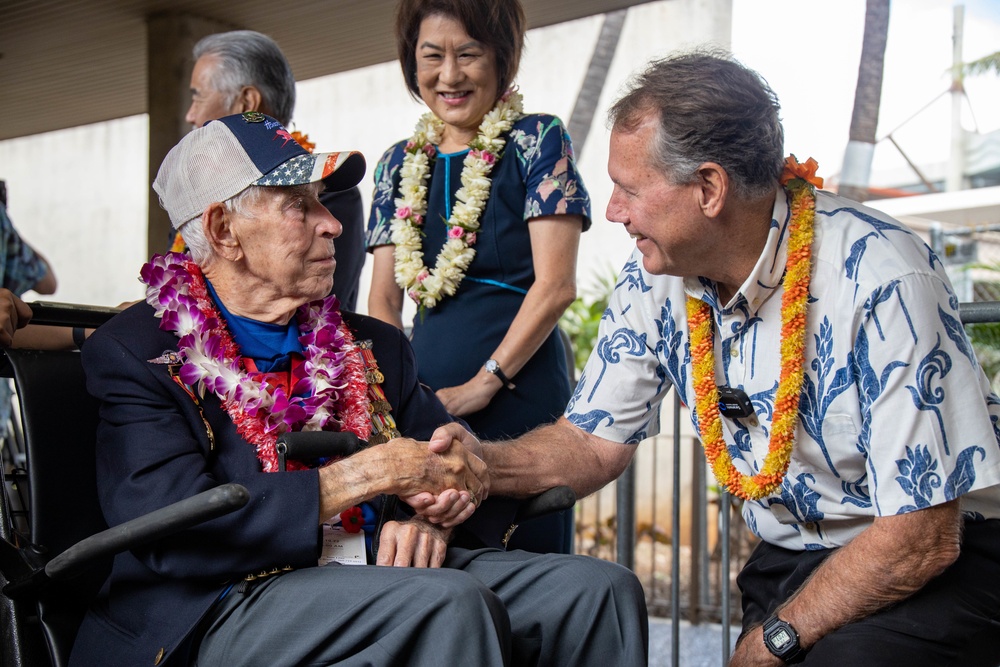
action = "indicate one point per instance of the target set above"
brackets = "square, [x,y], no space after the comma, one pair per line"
[809,52]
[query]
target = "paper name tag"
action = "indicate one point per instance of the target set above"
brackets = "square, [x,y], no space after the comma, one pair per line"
[340,546]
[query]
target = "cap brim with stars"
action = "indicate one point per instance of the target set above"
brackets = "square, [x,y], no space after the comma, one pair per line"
[226,156]
[338,171]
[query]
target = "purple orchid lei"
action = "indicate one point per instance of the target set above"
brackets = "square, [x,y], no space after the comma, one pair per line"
[329,393]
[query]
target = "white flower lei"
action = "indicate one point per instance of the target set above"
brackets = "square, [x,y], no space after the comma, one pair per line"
[428,286]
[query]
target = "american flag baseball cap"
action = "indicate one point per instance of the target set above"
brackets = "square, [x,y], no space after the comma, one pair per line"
[226,156]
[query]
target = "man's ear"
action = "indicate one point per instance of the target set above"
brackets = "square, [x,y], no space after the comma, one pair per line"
[216,221]
[249,100]
[713,188]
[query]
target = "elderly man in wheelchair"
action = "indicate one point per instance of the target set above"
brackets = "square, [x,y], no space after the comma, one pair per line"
[237,343]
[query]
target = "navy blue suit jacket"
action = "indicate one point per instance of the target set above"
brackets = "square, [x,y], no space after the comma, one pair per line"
[153,449]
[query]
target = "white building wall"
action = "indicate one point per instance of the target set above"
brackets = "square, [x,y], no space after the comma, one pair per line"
[79,195]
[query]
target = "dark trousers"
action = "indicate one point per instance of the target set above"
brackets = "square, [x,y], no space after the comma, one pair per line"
[484,608]
[954,620]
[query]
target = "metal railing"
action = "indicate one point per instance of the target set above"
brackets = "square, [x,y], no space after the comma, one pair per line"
[613,534]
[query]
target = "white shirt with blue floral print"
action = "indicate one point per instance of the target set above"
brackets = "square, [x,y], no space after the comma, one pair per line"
[895,415]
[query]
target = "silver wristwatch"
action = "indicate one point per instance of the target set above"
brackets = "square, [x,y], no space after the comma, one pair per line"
[492,366]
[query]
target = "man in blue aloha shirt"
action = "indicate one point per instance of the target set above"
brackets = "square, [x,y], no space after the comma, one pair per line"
[881,541]
[22,268]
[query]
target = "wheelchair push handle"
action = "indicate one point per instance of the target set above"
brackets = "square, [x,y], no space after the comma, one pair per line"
[171,519]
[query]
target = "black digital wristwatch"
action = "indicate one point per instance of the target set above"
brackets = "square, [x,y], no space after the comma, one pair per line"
[782,640]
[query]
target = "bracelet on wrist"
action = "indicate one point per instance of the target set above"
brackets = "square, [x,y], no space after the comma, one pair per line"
[79,337]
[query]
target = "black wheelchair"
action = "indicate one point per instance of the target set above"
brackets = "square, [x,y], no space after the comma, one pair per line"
[56,549]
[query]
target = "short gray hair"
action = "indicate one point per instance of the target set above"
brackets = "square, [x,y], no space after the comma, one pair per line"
[249,58]
[708,108]
[193,233]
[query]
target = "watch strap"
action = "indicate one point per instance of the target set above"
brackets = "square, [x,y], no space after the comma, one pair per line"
[493,367]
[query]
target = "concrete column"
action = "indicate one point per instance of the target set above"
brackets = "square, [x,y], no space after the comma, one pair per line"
[955,176]
[170,39]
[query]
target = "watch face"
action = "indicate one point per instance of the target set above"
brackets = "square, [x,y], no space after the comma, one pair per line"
[491,365]
[780,638]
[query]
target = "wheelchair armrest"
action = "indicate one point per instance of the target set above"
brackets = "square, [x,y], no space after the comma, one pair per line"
[160,523]
[553,500]
[307,445]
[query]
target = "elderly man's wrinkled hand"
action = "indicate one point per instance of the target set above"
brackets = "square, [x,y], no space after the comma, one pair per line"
[415,468]
[412,543]
[14,314]
[450,507]
[446,509]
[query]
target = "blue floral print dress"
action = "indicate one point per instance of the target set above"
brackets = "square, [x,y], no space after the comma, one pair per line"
[536,176]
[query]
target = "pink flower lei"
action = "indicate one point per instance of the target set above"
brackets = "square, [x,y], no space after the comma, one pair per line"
[333,392]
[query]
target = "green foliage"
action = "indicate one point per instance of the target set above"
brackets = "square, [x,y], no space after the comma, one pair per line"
[583,317]
[986,65]
[985,337]
[985,340]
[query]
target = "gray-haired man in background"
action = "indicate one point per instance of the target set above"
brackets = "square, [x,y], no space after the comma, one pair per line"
[244,70]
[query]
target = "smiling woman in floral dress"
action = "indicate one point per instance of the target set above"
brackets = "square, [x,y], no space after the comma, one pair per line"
[477,218]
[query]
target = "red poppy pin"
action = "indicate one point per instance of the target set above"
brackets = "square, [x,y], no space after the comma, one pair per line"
[351,519]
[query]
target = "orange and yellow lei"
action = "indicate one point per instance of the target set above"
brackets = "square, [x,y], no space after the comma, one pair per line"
[799,180]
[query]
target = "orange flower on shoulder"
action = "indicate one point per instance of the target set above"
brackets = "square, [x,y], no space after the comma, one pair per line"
[806,171]
[178,245]
[303,140]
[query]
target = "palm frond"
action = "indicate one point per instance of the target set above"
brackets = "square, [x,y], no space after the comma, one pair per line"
[985,65]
